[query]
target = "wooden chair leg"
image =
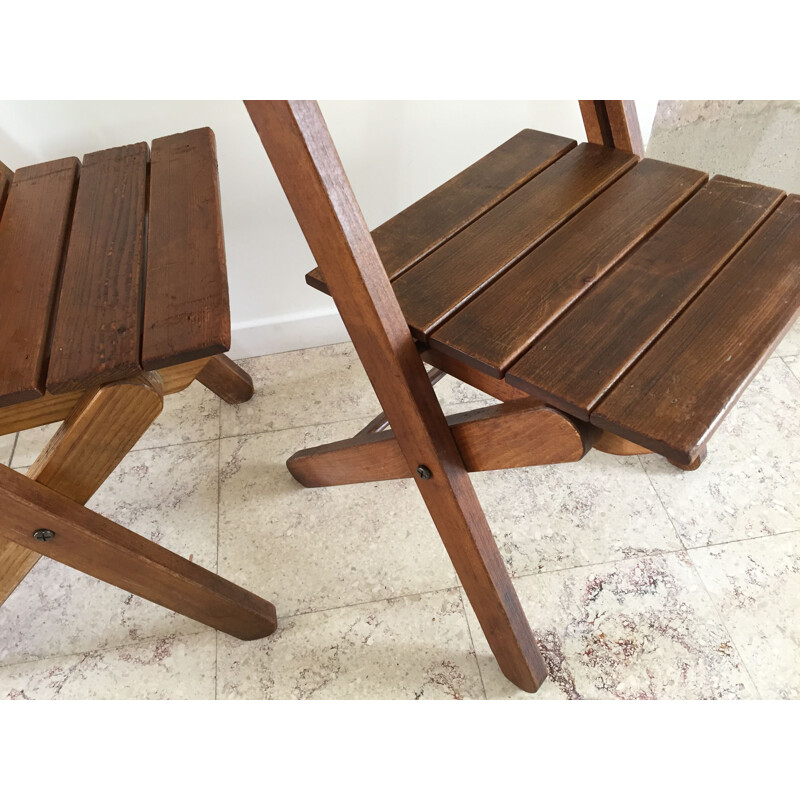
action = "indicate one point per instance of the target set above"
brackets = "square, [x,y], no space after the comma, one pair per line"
[99,432]
[227,380]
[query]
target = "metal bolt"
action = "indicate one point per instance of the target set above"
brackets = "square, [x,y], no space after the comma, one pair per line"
[424,472]
[43,535]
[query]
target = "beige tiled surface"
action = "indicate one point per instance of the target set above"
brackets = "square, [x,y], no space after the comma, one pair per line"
[639,580]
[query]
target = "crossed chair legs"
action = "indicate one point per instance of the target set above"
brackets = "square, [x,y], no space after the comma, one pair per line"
[44,511]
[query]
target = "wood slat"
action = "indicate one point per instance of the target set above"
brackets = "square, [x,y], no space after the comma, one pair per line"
[186,313]
[6,177]
[419,229]
[676,395]
[442,282]
[591,346]
[32,233]
[613,123]
[97,331]
[500,323]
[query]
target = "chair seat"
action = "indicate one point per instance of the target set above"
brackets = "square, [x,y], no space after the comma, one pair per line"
[110,267]
[636,295]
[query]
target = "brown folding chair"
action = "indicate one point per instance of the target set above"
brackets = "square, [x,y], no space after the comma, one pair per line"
[608,301]
[114,294]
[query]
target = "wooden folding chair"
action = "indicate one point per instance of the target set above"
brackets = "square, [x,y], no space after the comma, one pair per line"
[114,294]
[608,301]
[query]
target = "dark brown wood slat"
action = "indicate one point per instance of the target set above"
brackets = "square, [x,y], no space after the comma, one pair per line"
[442,282]
[97,332]
[32,232]
[413,233]
[494,329]
[6,176]
[613,123]
[586,351]
[186,312]
[676,395]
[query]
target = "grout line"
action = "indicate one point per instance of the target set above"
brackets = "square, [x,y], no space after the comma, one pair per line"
[461,594]
[661,501]
[13,449]
[743,539]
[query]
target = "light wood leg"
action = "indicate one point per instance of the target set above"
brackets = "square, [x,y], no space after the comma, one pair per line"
[227,380]
[101,429]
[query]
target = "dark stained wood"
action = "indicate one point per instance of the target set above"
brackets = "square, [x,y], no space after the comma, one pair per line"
[613,123]
[308,167]
[520,434]
[6,177]
[97,332]
[442,282]
[227,380]
[32,233]
[413,233]
[99,547]
[577,360]
[495,328]
[676,395]
[186,312]
[480,380]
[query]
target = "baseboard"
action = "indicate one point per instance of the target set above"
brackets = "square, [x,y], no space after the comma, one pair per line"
[261,337]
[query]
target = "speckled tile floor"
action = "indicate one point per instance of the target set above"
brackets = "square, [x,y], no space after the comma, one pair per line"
[641,581]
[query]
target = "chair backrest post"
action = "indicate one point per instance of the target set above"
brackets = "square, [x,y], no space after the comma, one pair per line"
[613,123]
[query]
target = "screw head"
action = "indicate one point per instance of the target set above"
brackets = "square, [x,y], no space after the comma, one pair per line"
[43,535]
[424,472]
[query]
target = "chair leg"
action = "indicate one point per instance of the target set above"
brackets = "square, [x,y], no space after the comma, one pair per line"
[227,380]
[99,432]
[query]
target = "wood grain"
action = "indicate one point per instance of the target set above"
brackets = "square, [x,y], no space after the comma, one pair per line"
[97,331]
[99,547]
[308,167]
[575,363]
[613,123]
[520,434]
[32,235]
[101,428]
[419,229]
[676,395]
[494,329]
[186,312]
[56,407]
[227,380]
[442,282]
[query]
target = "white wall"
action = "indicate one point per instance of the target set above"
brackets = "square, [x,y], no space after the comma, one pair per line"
[393,151]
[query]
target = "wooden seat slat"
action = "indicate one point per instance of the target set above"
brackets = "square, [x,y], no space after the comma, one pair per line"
[446,279]
[186,312]
[677,393]
[586,351]
[419,229]
[499,324]
[97,332]
[32,234]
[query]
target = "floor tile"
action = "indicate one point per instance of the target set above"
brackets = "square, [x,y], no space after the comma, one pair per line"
[188,416]
[414,647]
[793,362]
[756,586]
[639,629]
[167,668]
[6,447]
[311,549]
[790,344]
[317,386]
[36,680]
[168,494]
[748,485]
[601,508]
